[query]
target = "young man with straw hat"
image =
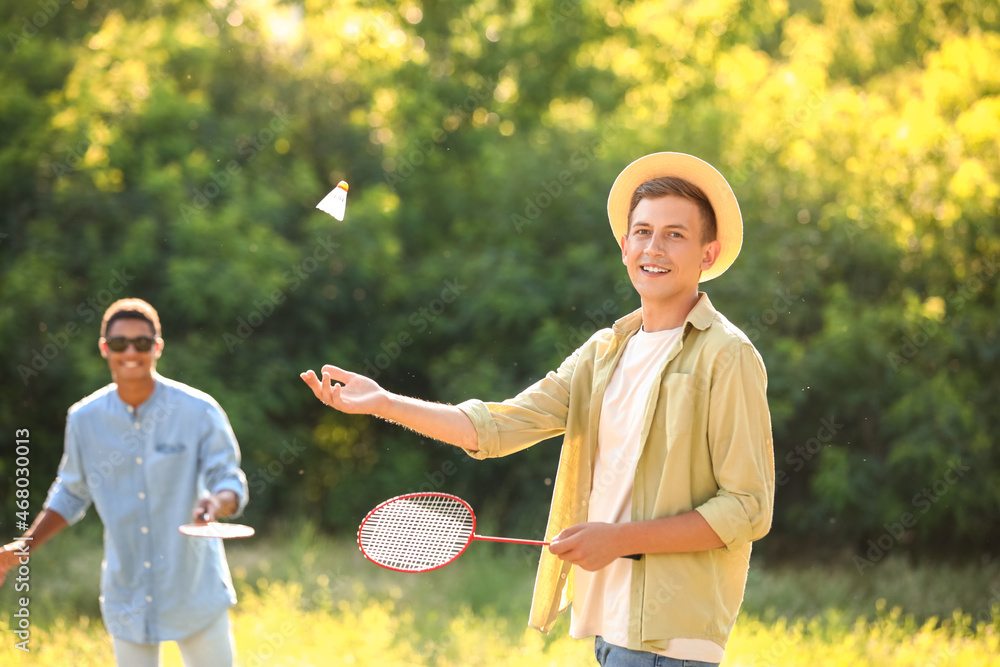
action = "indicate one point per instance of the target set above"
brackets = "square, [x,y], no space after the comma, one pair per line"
[667,447]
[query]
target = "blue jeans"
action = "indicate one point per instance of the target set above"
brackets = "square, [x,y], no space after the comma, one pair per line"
[609,655]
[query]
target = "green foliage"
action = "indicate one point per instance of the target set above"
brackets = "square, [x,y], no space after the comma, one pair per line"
[176,154]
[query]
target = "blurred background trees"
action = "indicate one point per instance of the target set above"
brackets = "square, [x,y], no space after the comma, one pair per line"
[175,152]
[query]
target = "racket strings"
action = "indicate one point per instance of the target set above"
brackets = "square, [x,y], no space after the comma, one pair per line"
[415,534]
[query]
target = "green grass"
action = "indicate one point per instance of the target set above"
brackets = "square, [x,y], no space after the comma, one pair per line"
[308,599]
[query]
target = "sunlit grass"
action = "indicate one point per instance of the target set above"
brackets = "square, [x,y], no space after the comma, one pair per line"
[308,600]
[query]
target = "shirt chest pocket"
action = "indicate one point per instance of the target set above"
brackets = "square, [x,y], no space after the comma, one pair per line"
[170,458]
[679,404]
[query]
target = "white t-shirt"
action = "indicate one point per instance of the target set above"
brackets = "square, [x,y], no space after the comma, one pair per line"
[601,599]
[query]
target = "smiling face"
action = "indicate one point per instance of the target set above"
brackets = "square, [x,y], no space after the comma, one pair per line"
[131,365]
[665,255]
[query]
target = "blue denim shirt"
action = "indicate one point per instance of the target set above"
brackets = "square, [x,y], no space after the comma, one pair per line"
[144,470]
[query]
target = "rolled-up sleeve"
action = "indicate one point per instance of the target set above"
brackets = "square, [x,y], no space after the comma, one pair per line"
[69,495]
[742,450]
[220,458]
[537,413]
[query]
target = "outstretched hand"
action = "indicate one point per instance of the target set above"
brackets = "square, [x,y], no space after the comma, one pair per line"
[345,391]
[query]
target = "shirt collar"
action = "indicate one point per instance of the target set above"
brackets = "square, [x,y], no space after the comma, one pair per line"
[153,399]
[700,317]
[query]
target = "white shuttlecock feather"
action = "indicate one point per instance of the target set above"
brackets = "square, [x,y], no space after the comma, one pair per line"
[335,203]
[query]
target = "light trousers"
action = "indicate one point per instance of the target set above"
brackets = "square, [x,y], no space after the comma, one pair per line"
[212,647]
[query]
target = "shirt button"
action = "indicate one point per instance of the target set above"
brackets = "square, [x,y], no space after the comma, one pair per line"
[137,425]
[138,460]
[144,530]
[149,599]
[142,496]
[148,565]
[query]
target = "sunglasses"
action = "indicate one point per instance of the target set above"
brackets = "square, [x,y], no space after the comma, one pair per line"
[120,343]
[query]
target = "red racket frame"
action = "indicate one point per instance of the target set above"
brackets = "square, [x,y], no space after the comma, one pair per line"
[472,536]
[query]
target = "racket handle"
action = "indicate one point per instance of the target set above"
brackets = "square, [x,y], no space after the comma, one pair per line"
[510,540]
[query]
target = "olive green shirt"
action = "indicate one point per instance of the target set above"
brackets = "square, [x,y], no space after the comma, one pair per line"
[706,446]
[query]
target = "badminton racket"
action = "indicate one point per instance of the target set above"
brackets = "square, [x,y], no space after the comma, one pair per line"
[420,532]
[225,531]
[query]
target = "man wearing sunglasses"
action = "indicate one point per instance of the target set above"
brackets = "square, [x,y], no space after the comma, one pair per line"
[150,454]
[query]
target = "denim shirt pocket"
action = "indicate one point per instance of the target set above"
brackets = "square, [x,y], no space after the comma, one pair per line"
[169,458]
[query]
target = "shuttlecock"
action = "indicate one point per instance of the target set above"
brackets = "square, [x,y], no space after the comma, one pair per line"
[335,203]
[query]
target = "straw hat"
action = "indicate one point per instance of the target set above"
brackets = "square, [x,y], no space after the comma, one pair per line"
[729,222]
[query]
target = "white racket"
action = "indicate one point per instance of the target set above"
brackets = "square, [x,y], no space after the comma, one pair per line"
[420,532]
[335,203]
[225,531]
